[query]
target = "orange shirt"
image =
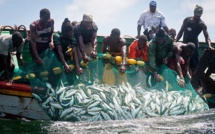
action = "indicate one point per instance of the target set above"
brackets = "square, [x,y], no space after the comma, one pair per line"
[134,52]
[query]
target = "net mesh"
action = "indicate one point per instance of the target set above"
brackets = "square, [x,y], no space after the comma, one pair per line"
[103,93]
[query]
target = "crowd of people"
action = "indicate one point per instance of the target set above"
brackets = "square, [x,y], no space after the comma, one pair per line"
[157,45]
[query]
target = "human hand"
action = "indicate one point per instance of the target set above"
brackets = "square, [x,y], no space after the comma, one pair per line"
[79,70]
[165,60]
[157,77]
[211,48]
[188,76]
[51,45]
[122,69]
[94,54]
[181,81]
[39,60]
[86,59]
[9,81]
[67,69]
[23,63]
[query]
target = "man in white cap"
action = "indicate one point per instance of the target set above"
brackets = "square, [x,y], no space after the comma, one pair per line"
[151,18]
[86,32]
[190,29]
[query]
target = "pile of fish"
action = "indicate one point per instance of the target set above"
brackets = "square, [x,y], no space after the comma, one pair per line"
[97,102]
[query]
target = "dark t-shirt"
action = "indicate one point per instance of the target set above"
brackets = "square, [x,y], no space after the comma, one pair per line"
[85,33]
[59,40]
[192,30]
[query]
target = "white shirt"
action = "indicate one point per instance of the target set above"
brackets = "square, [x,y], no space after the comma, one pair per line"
[148,19]
[6,45]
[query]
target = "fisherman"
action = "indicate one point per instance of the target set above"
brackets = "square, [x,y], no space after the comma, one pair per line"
[172,33]
[207,60]
[139,49]
[159,51]
[116,46]
[151,18]
[190,29]
[41,35]
[8,45]
[86,32]
[180,60]
[66,41]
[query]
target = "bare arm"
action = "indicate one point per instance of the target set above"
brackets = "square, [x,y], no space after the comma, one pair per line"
[138,30]
[51,44]
[33,41]
[20,59]
[94,45]
[33,44]
[6,67]
[79,70]
[166,29]
[61,56]
[104,48]
[123,51]
[187,65]
[207,38]
[177,58]
[180,33]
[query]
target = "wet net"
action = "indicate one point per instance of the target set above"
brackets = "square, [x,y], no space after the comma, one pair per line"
[103,93]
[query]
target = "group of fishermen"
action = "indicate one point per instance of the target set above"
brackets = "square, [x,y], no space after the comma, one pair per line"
[156,46]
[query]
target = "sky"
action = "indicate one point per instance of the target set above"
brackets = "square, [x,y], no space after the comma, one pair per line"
[107,14]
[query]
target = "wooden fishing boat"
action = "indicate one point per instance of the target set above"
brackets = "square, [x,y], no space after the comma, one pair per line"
[16,100]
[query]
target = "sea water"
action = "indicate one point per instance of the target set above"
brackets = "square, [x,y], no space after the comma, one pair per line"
[200,123]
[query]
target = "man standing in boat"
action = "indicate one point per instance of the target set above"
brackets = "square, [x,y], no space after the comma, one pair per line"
[190,29]
[41,35]
[9,44]
[86,32]
[180,60]
[159,51]
[64,41]
[116,46]
[151,18]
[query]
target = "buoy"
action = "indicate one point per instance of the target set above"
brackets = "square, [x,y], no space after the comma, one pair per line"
[83,64]
[17,77]
[106,56]
[118,58]
[140,63]
[71,66]
[207,95]
[30,76]
[131,61]
[57,70]
[44,74]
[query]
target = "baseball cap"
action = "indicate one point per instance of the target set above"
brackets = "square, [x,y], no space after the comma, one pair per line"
[87,18]
[153,3]
[198,10]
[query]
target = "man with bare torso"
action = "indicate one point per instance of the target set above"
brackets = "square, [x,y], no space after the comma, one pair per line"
[180,60]
[116,46]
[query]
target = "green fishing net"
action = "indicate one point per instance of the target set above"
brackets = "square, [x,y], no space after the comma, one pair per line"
[103,93]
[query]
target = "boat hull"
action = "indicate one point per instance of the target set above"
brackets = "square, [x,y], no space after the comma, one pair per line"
[16,101]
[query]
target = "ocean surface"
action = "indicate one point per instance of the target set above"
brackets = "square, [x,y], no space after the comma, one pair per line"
[200,123]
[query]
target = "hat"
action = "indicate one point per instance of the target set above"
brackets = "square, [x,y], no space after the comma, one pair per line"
[198,10]
[153,3]
[87,17]
[160,34]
